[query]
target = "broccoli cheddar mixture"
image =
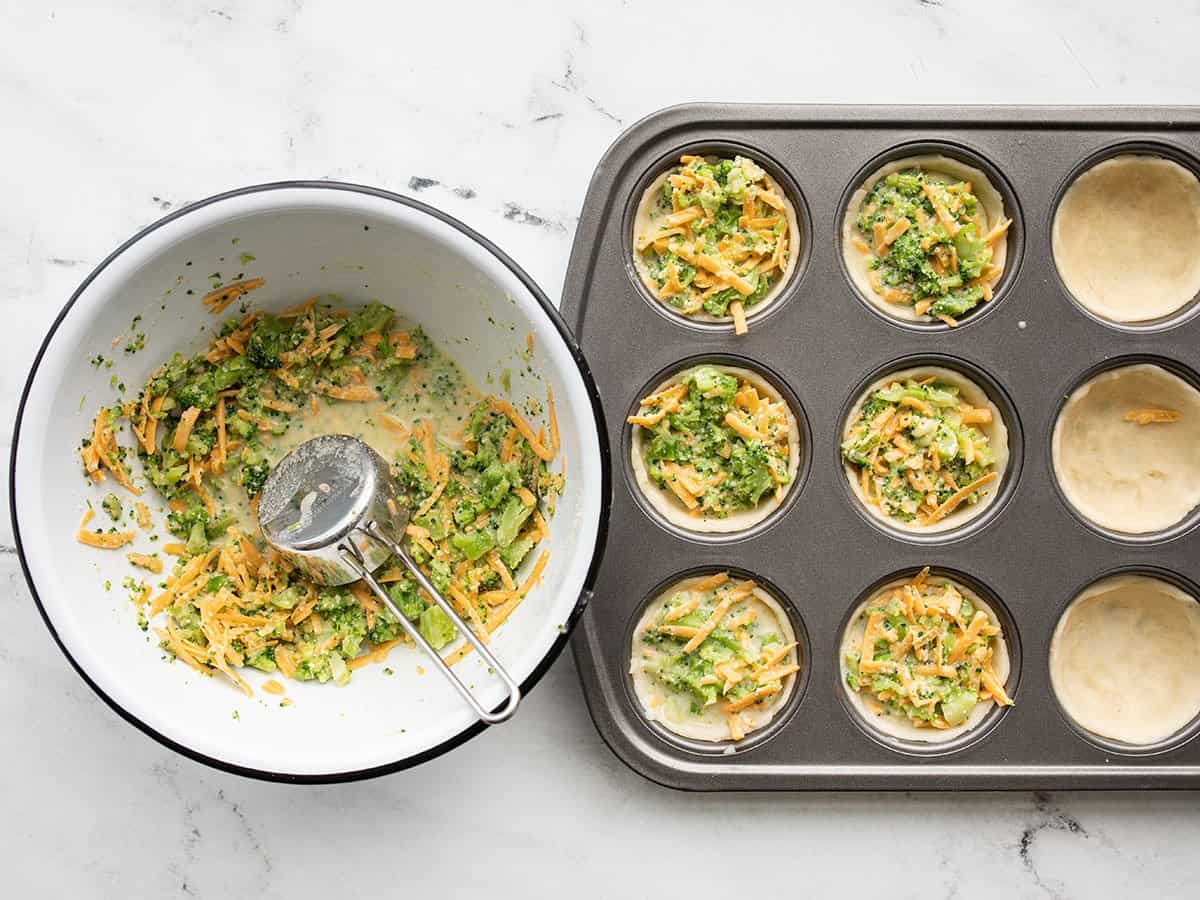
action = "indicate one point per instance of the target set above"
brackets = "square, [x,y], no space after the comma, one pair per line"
[922,446]
[926,242]
[206,431]
[714,658]
[715,238]
[925,658]
[714,448]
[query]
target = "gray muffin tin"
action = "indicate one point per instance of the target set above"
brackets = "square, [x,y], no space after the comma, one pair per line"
[821,554]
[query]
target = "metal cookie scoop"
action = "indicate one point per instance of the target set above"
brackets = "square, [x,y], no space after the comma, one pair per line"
[331,507]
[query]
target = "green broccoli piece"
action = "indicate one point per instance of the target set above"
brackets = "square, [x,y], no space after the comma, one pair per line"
[959,303]
[372,317]
[473,544]
[254,476]
[512,517]
[111,504]
[435,626]
[405,595]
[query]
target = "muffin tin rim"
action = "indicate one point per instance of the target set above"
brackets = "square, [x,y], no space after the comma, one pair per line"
[788,129]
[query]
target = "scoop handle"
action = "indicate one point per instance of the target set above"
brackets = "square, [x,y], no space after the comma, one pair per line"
[353,558]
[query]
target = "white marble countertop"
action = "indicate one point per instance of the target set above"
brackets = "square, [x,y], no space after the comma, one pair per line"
[118,112]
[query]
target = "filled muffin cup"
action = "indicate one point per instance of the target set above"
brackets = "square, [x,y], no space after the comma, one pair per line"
[1124,450]
[1126,238]
[715,659]
[716,239]
[925,450]
[715,449]
[924,239]
[889,665]
[1123,662]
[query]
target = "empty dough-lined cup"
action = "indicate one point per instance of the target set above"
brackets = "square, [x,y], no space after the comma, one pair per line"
[1125,452]
[1123,660]
[1126,238]
[715,658]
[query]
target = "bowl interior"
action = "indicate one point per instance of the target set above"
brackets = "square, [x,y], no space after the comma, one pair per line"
[304,241]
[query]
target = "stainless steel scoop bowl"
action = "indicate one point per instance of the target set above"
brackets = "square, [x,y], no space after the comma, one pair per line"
[333,509]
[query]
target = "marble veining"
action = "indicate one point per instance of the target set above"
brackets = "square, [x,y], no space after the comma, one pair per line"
[119,113]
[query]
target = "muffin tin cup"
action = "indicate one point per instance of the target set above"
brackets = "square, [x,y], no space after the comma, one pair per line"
[781,293]
[1008,479]
[966,156]
[630,434]
[781,716]
[822,342]
[1138,539]
[1172,151]
[1106,744]
[990,720]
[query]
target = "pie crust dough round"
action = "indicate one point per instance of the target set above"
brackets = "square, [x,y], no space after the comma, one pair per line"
[1124,476]
[1126,238]
[1123,659]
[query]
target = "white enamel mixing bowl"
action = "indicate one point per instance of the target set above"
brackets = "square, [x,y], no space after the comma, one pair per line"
[305,239]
